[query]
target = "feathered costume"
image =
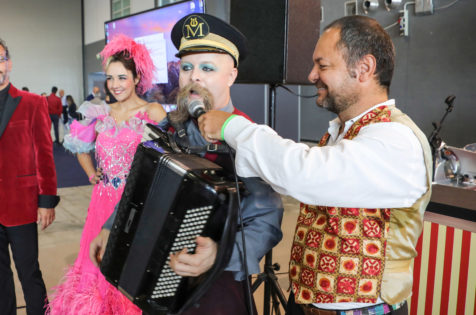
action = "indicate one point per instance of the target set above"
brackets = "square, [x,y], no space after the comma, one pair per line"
[84,290]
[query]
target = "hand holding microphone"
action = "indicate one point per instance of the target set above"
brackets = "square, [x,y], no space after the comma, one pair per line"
[209,122]
[196,108]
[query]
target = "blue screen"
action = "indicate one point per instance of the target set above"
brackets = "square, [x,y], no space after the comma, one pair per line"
[153,29]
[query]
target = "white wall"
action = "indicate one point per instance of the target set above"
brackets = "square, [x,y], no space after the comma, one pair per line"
[96,12]
[44,39]
[141,5]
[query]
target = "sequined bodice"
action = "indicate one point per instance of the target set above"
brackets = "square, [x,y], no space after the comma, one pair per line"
[116,145]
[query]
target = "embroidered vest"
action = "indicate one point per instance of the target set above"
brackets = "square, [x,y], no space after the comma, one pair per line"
[356,254]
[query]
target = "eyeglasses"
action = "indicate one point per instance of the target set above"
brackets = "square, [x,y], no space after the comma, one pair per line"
[3,58]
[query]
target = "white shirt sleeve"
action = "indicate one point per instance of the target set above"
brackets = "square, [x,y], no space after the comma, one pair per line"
[382,167]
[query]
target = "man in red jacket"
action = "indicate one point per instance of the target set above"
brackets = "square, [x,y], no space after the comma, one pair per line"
[55,109]
[27,189]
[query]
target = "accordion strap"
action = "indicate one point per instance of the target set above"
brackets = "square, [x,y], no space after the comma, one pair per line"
[182,141]
[217,148]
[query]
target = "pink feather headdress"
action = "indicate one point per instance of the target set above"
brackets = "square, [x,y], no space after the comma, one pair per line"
[140,55]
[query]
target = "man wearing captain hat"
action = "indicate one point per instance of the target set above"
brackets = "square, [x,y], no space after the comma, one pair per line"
[210,51]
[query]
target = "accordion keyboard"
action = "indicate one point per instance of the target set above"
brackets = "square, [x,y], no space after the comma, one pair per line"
[192,225]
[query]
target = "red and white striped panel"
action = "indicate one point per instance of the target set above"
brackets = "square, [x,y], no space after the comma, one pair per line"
[444,276]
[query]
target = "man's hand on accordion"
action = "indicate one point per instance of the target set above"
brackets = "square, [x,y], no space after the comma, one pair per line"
[193,265]
[98,246]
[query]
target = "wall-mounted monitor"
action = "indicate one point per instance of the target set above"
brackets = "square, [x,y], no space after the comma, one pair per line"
[153,28]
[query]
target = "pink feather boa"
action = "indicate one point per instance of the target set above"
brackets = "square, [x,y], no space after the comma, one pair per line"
[83,295]
[139,53]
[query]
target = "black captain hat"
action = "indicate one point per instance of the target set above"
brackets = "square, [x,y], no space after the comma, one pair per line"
[201,32]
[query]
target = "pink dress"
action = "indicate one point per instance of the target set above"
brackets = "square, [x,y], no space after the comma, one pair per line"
[84,289]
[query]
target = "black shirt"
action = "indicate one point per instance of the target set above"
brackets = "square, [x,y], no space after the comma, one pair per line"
[3,99]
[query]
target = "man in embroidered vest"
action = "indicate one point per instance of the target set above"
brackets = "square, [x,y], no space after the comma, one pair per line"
[363,189]
[210,51]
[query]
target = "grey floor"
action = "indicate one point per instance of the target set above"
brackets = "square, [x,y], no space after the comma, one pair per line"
[59,243]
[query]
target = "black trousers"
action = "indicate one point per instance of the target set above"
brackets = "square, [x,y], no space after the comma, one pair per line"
[55,122]
[225,297]
[23,241]
[65,115]
[295,309]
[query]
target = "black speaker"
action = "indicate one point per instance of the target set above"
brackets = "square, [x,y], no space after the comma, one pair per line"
[281,38]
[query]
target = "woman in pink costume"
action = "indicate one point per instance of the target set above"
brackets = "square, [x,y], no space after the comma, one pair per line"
[114,131]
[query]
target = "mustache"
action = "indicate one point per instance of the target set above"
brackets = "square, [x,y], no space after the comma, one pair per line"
[320,85]
[181,114]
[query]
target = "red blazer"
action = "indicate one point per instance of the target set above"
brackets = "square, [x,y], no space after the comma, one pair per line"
[27,169]
[54,104]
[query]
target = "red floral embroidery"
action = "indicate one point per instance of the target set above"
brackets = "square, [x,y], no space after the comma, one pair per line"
[350,246]
[306,294]
[313,239]
[321,220]
[346,285]
[296,253]
[333,226]
[327,263]
[386,214]
[293,271]
[310,259]
[366,300]
[372,248]
[295,287]
[372,228]
[324,139]
[370,211]
[350,226]
[330,244]
[325,284]
[350,211]
[324,298]
[349,265]
[343,247]
[310,216]
[366,286]
[343,300]
[371,266]
[307,277]
[331,210]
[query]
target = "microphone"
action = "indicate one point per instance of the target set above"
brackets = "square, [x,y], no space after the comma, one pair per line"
[196,108]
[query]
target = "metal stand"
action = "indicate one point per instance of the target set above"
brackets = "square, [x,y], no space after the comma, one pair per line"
[435,139]
[272,290]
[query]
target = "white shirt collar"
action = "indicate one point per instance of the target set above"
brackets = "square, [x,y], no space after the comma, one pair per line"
[334,125]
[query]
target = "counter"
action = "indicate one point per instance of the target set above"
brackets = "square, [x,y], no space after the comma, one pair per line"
[444,282]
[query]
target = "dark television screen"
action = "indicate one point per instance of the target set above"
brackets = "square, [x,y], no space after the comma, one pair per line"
[153,29]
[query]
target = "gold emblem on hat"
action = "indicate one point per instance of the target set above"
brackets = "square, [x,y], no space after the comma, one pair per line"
[195,27]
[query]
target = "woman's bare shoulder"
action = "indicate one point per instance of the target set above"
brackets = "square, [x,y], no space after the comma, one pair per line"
[156,111]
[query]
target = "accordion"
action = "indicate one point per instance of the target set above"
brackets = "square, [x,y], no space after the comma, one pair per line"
[169,199]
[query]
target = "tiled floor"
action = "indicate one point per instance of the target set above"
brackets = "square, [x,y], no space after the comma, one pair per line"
[59,243]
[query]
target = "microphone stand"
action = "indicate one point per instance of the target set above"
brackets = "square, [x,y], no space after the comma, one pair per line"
[435,139]
[272,290]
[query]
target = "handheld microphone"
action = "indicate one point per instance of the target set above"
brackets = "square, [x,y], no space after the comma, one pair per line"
[196,108]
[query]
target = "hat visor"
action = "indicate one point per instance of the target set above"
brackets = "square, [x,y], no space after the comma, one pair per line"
[202,49]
